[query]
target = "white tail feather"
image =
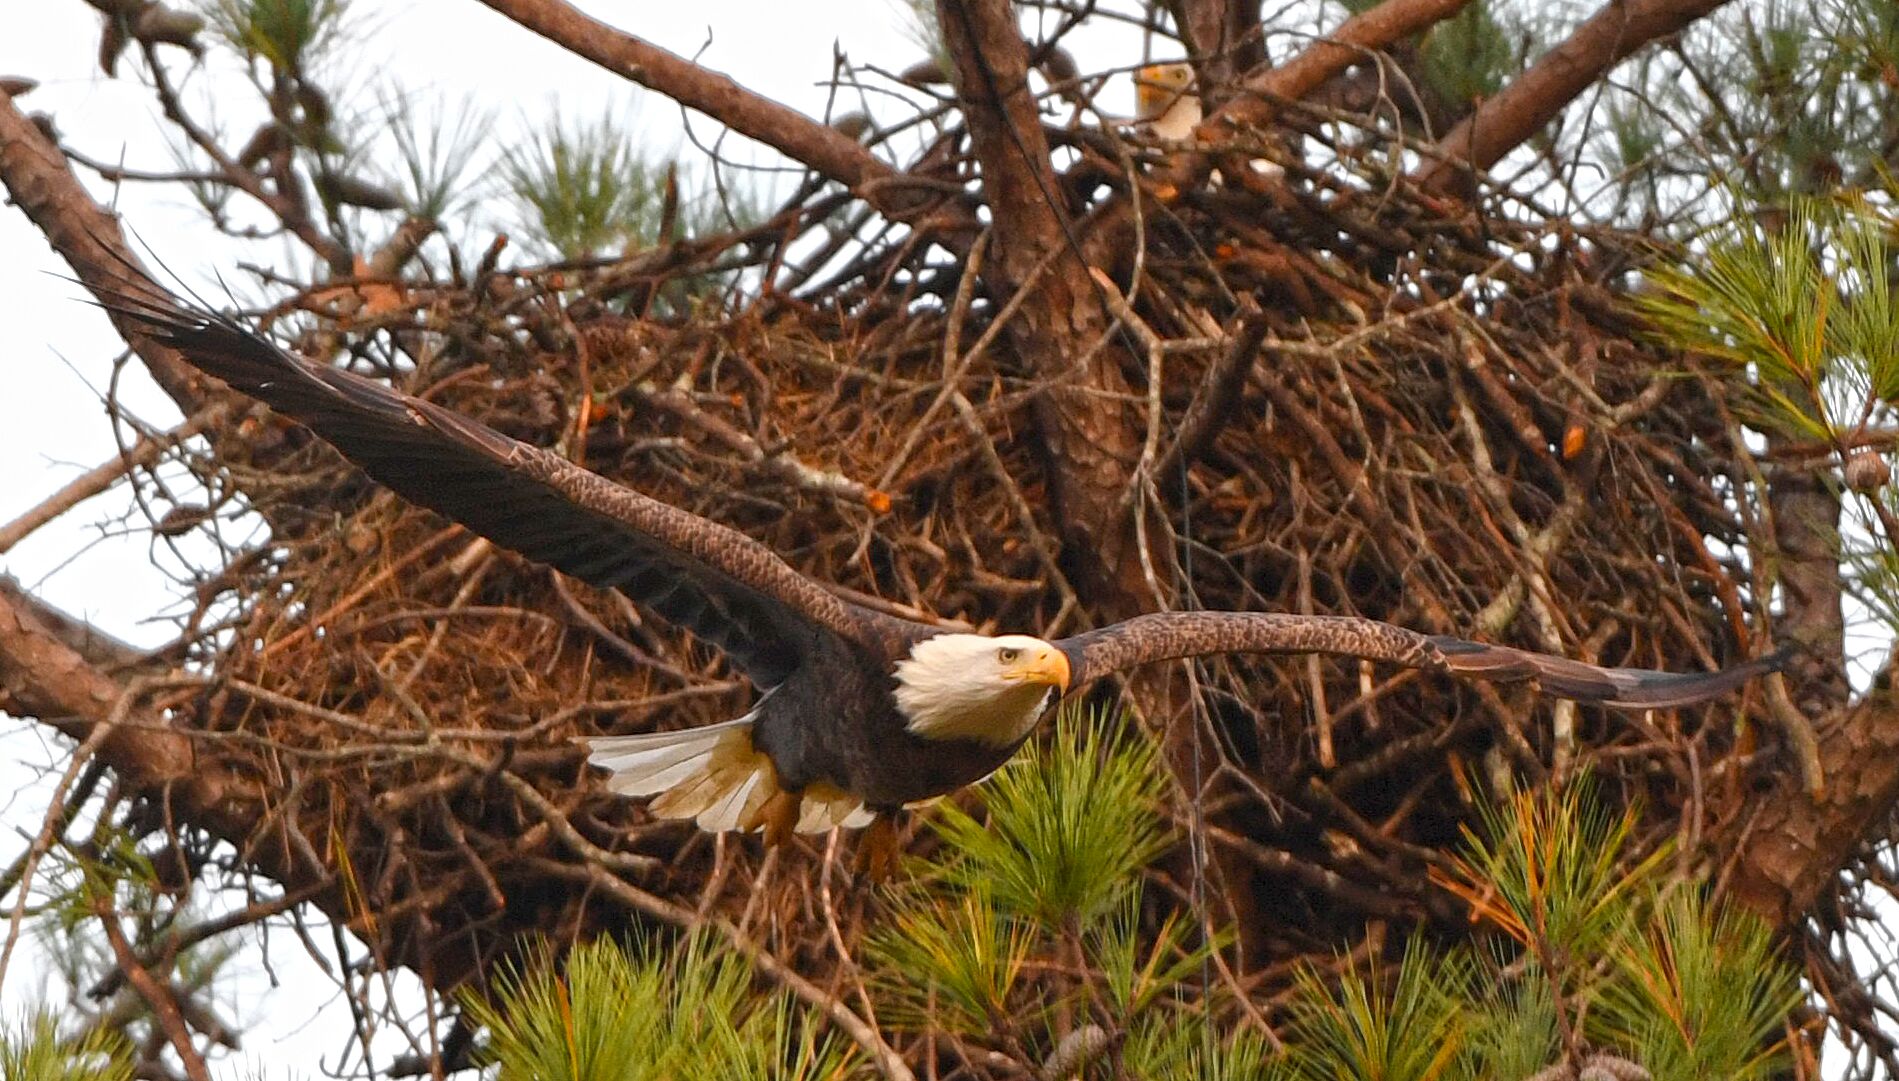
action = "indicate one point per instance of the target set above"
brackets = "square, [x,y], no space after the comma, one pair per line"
[656,761]
[715,776]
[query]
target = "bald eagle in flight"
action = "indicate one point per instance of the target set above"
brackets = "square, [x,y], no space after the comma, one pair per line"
[859,713]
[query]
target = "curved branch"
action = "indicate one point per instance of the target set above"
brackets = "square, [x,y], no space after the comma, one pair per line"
[797,136]
[1545,88]
[1260,95]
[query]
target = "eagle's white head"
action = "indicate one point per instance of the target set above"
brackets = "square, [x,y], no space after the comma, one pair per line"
[972,686]
[1165,101]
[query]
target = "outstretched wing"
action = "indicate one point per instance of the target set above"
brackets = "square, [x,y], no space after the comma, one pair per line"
[717,583]
[1170,635]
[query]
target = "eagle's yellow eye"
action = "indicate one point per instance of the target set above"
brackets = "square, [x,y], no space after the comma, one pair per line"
[1008,656]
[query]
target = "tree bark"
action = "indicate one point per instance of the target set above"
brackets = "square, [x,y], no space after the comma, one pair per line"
[1060,333]
[1795,842]
[1359,35]
[1224,40]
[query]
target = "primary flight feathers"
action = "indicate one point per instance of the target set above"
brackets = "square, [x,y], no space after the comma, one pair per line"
[859,711]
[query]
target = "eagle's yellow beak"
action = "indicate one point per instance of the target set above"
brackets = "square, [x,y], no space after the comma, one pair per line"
[1047,665]
[1158,86]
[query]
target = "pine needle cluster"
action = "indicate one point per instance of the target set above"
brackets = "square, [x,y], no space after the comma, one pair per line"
[585,188]
[1034,937]
[34,1050]
[680,1011]
[1597,963]
[1799,308]
[289,35]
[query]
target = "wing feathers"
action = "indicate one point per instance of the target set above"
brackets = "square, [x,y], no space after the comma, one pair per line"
[714,581]
[1170,635]
[1625,688]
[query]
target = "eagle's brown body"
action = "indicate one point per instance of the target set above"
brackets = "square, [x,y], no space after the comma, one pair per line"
[837,722]
[833,725]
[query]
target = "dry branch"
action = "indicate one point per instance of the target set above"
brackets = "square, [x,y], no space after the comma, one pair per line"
[825,149]
[157,995]
[1543,90]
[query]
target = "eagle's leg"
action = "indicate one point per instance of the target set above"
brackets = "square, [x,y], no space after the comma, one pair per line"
[877,848]
[779,816]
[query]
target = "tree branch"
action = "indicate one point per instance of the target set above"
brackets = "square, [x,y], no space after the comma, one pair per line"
[97,479]
[171,1020]
[825,149]
[1545,88]
[1259,98]
[1220,393]
[1796,840]
[41,676]
[1224,39]
[1060,330]
[99,649]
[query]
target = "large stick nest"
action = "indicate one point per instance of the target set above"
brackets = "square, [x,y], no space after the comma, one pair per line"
[1454,424]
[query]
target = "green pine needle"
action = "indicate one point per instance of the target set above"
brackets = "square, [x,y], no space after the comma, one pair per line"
[1136,976]
[953,961]
[1513,1029]
[595,1022]
[1699,992]
[609,1014]
[1176,1049]
[584,189]
[1071,822]
[1552,870]
[1805,312]
[1807,306]
[1414,1031]
[287,34]
[33,1050]
[778,1043]
[439,147]
[1469,56]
